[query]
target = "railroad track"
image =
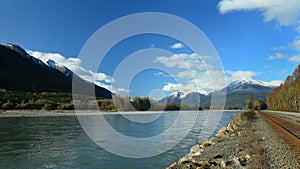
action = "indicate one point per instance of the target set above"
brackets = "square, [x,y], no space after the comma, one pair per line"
[287,130]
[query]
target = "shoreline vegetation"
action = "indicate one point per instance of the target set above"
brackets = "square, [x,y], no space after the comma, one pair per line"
[40,113]
[246,142]
[18,100]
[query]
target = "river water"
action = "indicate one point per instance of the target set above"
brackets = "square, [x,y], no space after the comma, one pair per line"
[60,142]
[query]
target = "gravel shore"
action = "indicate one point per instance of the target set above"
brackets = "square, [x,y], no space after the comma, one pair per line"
[247,142]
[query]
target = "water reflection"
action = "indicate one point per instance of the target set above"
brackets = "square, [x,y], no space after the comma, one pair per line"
[60,142]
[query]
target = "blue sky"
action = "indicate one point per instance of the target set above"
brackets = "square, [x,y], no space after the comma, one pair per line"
[254,39]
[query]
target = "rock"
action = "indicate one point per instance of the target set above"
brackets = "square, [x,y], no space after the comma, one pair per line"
[218,139]
[236,161]
[234,126]
[238,149]
[247,157]
[217,156]
[215,162]
[172,166]
[222,164]
[206,143]
[223,129]
[196,150]
[183,160]
[229,163]
[243,161]
[204,162]
[222,132]
[239,134]
[231,127]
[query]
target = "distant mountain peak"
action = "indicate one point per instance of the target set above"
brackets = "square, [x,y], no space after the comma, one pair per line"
[242,82]
[57,66]
[178,94]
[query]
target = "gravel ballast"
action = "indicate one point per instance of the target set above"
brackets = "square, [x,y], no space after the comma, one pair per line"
[247,142]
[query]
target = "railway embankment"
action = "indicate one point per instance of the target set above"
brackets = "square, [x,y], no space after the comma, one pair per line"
[250,141]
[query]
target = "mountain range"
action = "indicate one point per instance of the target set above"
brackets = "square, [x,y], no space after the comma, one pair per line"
[236,94]
[20,71]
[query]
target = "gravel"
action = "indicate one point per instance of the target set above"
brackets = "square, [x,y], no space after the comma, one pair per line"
[249,145]
[279,153]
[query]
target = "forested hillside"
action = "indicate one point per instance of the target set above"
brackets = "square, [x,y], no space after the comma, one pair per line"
[286,97]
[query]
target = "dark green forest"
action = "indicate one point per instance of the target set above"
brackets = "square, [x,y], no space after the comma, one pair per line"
[286,97]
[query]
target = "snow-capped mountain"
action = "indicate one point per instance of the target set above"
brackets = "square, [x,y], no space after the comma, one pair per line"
[56,66]
[17,49]
[237,93]
[173,98]
[23,53]
[178,95]
[247,82]
[23,72]
[43,61]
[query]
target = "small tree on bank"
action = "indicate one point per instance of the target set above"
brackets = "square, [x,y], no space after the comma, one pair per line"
[249,102]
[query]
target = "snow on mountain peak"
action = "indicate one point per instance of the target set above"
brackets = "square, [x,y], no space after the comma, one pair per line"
[40,61]
[17,49]
[178,94]
[237,83]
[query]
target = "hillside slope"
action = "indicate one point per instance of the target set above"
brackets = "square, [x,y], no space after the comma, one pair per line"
[22,72]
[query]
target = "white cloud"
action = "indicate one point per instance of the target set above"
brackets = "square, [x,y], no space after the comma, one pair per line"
[186,74]
[276,82]
[297,29]
[232,76]
[101,79]
[197,74]
[296,44]
[283,11]
[192,75]
[295,58]
[191,61]
[172,87]
[282,72]
[280,48]
[119,91]
[277,56]
[177,46]
[185,88]
[159,73]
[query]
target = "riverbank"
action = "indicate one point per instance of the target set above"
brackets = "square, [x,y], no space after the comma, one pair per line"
[38,113]
[247,142]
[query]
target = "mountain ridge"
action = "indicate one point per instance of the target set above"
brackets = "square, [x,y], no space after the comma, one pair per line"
[23,72]
[237,93]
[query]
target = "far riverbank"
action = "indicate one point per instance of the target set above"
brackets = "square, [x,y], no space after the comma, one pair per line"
[32,113]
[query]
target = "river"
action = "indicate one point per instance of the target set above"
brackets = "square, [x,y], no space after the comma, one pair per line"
[60,142]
